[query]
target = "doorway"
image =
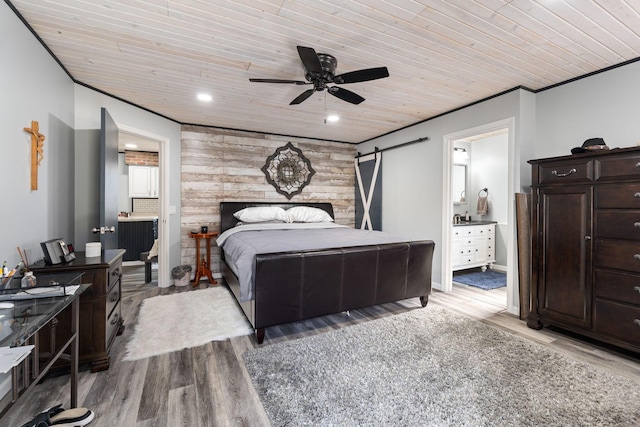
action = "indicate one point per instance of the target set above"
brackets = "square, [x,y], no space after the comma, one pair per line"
[147,142]
[505,228]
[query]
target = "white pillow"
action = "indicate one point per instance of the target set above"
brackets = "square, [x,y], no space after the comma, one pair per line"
[308,214]
[262,214]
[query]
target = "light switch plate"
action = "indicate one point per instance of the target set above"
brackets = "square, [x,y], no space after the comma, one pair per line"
[172,210]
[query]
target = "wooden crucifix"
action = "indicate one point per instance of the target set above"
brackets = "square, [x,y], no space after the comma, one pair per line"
[37,152]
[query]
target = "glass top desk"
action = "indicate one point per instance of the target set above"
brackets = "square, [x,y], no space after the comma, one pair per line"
[26,311]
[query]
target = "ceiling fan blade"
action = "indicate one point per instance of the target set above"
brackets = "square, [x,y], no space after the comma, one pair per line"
[345,95]
[295,82]
[362,75]
[304,95]
[310,60]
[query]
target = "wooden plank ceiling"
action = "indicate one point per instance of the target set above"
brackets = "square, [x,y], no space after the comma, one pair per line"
[441,55]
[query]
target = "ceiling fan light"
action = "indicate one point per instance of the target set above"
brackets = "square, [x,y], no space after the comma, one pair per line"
[205,97]
[332,118]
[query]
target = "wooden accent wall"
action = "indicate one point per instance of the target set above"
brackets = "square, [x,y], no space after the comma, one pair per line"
[220,165]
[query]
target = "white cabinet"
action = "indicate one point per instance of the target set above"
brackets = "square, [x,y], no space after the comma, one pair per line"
[473,246]
[143,181]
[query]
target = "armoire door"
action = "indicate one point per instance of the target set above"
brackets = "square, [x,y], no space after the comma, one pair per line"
[565,232]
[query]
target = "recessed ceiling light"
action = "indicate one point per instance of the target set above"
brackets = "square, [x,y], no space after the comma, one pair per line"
[205,97]
[130,145]
[333,118]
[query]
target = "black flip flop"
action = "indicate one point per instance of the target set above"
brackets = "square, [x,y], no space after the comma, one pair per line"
[43,418]
[72,417]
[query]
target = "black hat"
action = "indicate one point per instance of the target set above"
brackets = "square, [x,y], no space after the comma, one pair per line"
[591,144]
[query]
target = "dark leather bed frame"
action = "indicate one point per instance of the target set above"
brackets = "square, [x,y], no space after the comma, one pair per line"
[293,286]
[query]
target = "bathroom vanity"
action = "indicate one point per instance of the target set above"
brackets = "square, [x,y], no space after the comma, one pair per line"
[473,245]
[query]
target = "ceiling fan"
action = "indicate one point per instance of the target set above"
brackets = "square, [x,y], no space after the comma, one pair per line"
[320,70]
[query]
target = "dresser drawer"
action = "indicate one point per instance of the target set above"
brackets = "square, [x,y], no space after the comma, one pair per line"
[468,259]
[462,231]
[618,320]
[619,286]
[115,272]
[618,254]
[484,230]
[114,321]
[619,196]
[112,299]
[468,241]
[467,231]
[618,224]
[573,171]
[615,167]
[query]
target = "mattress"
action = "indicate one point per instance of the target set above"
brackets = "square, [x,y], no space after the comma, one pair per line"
[241,244]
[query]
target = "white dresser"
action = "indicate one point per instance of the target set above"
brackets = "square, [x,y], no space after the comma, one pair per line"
[473,245]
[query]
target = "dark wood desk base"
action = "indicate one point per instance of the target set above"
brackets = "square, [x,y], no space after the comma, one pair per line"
[69,350]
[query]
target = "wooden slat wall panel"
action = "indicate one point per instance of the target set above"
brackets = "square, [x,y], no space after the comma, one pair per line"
[226,166]
[441,55]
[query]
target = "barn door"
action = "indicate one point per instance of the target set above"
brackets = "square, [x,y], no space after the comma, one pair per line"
[369,191]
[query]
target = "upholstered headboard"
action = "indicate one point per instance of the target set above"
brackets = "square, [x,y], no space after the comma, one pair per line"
[227,209]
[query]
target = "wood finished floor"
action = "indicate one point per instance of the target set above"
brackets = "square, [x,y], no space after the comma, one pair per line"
[209,386]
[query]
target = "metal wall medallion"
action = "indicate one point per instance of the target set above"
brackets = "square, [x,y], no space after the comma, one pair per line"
[288,170]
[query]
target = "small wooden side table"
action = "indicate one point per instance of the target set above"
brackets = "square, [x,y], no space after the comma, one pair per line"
[203,265]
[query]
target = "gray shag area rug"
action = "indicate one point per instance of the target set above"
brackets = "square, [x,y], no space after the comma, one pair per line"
[433,367]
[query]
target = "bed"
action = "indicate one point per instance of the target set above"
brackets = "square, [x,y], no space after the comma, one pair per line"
[297,282]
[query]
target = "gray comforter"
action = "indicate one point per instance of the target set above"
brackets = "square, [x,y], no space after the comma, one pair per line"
[242,244]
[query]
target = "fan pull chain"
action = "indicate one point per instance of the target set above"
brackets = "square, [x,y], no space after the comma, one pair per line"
[325,107]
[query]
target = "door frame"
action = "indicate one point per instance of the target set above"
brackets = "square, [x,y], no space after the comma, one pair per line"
[163,207]
[446,285]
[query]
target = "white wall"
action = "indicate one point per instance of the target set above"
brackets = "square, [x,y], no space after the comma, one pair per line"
[412,184]
[489,169]
[547,124]
[33,87]
[604,105]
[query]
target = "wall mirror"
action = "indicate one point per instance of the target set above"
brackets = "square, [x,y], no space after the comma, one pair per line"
[459,184]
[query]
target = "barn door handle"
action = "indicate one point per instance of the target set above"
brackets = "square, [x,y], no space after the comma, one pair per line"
[637,256]
[636,288]
[636,321]
[556,173]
